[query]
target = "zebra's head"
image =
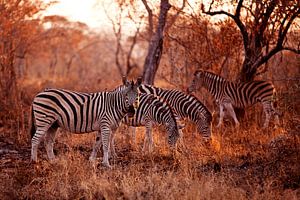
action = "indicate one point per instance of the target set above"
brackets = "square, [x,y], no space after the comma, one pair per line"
[197,81]
[131,95]
[204,124]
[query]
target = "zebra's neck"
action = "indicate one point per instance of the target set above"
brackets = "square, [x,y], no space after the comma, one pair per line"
[212,82]
[118,101]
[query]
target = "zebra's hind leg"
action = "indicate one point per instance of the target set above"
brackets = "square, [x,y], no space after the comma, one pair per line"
[221,115]
[96,147]
[49,141]
[35,141]
[230,109]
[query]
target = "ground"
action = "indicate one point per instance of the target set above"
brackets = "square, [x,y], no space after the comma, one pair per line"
[247,163]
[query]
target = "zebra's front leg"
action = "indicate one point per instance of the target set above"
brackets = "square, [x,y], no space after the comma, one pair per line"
[230,109]
[106,134]
[96,147]
[221,115]
[148,138]
[267,110]
[132,129]
[112,152]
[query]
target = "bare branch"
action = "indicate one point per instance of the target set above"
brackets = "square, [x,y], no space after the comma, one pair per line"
[282,34]
[150,17]
[129,66]
[173,19]
[236,19]
[297,51]
[266,17]
[238,9]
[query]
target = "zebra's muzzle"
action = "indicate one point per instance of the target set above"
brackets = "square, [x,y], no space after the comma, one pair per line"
[131,111]
[137,102]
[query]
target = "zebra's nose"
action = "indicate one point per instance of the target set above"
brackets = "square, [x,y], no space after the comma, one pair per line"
[136,103]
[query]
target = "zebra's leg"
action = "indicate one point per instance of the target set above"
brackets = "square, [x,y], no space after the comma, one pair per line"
[35,141]
[112,152]
[148,137]
[96,147]
[276,115]
[133,133]
[105,135]
[267,109]
[230,109]
[221,115]
[49,142]
[180,139]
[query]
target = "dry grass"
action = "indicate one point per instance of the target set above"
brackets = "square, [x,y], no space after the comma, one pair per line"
[244,164]
[247,163]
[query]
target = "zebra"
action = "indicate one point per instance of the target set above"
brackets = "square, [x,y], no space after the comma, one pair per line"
[79,112]
[184,106]
[151,111]
[241,95]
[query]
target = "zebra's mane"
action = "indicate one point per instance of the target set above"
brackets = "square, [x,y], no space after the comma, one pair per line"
[214,76]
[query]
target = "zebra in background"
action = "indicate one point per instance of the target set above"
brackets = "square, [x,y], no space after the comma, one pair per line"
[80,113]
[241,95]
[184,106]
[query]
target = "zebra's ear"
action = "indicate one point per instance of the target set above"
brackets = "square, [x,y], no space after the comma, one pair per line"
[132,83]
[124,79]
[139,80]
[198,72]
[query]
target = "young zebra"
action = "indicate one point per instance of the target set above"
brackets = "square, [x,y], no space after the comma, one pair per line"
[79,113]
[184,106]
[241,95]
[151,111]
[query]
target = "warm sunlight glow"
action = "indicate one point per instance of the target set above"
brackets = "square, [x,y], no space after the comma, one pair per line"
[88,11]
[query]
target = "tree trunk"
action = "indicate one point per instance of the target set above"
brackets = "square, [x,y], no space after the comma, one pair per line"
[248,70]
[156,45]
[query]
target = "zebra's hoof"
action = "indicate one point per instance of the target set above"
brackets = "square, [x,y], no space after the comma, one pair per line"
[106,165]
[32,162]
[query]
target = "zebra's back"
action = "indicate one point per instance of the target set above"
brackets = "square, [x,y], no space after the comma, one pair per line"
[247,94]
[73,111]
[184,106]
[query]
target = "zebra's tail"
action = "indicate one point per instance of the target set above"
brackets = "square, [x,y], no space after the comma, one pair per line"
[31,124]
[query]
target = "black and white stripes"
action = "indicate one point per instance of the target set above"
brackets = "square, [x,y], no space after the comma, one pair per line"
[151,111]
[79,113]
[241,95]
[184,106]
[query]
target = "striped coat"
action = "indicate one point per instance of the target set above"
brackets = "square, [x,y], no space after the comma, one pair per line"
[241,95]
[79,113]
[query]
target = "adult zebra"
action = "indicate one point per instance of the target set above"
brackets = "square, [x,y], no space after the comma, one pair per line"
[184,106]
[79,113]
[241,95]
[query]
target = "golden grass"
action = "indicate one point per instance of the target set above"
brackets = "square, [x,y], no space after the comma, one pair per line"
[244,164]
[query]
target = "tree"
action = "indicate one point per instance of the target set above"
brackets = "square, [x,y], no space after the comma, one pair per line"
[123,57]
[17,32]
[264,27]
